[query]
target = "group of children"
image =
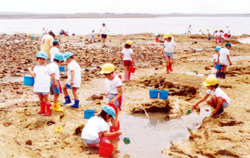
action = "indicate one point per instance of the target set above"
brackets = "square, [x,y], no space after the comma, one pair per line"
[47,78]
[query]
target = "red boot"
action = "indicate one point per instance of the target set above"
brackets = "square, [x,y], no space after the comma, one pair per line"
[42,108]
[170,67]
[48,113]
[167,69]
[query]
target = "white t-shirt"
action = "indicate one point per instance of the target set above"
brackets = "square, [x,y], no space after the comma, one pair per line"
[93,127]
[104,30]
[113,84]
[42,79]
[216,57]
[224,52]
[74,66]
[127,54]
[53,52]
[54,69]
[219,93]
[169,46]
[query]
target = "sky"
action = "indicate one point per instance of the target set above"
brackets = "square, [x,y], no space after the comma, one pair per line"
[126,6]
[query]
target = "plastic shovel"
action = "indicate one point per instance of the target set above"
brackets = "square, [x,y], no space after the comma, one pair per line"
[189,112]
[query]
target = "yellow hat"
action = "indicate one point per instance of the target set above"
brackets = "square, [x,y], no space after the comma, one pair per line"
[128,42]
[167,35]
[210,81]
[107,68]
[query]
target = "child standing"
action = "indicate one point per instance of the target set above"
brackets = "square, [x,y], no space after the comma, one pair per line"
[216,61]
[42,82]
[55,87]
[114,87]
[169,49]
[74,79]
[93,36]
[54,50]
[97,127]
[219,100]
[128,59]
[224,59]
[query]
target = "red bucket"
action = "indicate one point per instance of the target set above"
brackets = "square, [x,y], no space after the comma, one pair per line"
[132,69]
[105,150]
[114,129]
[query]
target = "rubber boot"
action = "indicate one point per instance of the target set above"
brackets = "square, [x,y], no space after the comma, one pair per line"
[67,100]
[76,105]
[42,108]
[56,107]
[170,67]
[167,69]
[48,113]
[218,75]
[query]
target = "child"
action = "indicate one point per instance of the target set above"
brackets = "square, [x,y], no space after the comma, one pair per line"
[54,50]
[114,88]
[93,36]
[128,59]
[169,49]
[55,87]
[104,31]
[42,82]
[74,79]
[224,59]
[97,127]
[219,100]
[216,61]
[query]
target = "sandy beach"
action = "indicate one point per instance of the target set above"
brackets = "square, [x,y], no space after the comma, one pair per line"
[24,133]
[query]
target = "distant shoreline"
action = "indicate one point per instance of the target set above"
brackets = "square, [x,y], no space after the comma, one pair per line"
[108,15]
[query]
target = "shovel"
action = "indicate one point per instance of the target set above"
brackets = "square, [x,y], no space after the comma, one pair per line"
[188,112]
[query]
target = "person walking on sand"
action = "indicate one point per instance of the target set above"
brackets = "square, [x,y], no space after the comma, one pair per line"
[216,64]
[224,59]
[168,51]
[47,43]
[104,33]
[114,88]
[219,100]
[42,82]
[128,60]
[189,29]
[92,40]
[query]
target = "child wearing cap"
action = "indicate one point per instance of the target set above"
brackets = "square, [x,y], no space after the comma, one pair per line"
[42,82]
[97,127]
[219,100]
[128,59]
[54,50]
[114,87]
[93,36]
[55,87]
[224,59]
[74,79]
[168,51]
[216,61]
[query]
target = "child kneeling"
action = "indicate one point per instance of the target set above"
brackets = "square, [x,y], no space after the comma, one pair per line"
[97,127]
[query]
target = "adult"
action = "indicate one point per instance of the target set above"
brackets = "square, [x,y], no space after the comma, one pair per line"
[189,30]
[47,44]
[227,32]
[104,32]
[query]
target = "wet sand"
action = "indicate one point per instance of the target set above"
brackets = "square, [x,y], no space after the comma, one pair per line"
[24,133]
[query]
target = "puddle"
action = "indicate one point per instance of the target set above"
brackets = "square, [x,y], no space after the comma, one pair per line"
[149,139]
[244,40]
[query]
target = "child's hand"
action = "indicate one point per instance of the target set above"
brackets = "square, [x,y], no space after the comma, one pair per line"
[55,85]
[72,83]
[30,69]
[119,132]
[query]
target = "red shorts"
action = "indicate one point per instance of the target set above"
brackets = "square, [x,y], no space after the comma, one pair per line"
[127,62]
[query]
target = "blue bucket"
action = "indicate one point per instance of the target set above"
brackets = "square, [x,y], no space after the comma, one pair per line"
[153,93]
[89,113]
[28,81]
[163,94]
[218,66]
[62,68]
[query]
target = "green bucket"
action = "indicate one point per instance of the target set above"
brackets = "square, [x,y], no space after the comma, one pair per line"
[126,140]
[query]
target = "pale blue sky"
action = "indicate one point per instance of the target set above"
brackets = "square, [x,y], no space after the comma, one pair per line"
[126,6]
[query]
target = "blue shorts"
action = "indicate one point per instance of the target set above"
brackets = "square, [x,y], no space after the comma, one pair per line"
[168,54]
[42,93]
[92,142]
[118,102]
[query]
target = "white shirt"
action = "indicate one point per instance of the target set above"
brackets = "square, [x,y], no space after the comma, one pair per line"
[42,79]
[74,66]
[54,69]
[93,127]
[215,57]
[127,54]
[53,52]
[169,46]
[104,30]
[112,85]
[219,93]
[224,52]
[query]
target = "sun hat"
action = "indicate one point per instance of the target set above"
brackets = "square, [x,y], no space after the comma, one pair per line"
[128,42]
[67,55]
[218,48]
[228,44]
[107,68]
[167,35]
[109,110]
[41,54]
[59,56]
[210,81]
[55,42]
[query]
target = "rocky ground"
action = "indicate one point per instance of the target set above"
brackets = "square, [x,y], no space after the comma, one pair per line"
[26,134]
